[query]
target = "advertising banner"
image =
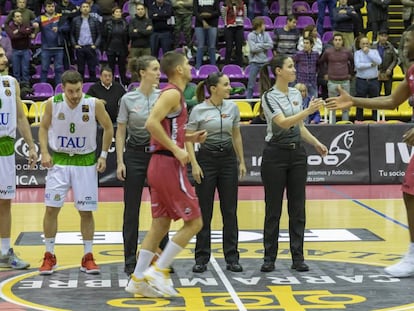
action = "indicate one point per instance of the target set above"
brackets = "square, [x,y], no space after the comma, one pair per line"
[358,154]
[389,155]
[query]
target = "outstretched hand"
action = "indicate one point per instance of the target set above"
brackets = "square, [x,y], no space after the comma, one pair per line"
[343,101]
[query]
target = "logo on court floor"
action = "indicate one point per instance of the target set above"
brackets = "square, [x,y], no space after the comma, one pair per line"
[329,285]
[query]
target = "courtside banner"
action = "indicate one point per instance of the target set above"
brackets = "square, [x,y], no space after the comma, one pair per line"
[348,154]
[346,162]
[389,155]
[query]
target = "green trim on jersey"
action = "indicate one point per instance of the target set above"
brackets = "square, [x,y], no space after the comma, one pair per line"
[75,159]
[6,146]
[58,98]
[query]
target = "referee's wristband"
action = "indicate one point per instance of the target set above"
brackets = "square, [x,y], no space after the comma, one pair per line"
[104,154]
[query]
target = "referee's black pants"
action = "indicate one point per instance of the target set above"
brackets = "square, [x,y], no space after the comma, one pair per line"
[281,169]
[221,172]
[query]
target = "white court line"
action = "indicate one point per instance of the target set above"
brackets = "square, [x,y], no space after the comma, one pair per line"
[227,284]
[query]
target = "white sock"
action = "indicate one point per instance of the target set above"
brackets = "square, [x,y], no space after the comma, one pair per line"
[50,245]
[87,246]
[5,245]
[411,248]
[144,260]
[168,254]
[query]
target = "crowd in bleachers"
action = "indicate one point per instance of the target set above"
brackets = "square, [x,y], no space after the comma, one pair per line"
[44,38]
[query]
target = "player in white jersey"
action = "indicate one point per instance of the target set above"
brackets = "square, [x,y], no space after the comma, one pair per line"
[11,117]
[69,128]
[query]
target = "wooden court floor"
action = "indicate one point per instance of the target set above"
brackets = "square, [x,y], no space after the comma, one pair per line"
[353,232]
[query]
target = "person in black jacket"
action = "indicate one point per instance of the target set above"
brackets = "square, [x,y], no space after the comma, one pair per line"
[85,46]
[116,41]
[140,30]
[160,11]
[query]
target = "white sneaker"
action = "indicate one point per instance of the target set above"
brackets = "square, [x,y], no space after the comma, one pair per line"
[141,287]
[160,279]
[404,268]
[10,260]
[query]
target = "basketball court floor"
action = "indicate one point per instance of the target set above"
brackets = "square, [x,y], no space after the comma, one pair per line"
[353,232]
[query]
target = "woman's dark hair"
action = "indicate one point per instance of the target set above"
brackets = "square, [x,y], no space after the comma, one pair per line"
[211,80]
[276,62]
[135,65]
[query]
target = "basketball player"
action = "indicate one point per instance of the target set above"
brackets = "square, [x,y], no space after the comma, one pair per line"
[11,117]
[405,267]
[69,126]
[172,196]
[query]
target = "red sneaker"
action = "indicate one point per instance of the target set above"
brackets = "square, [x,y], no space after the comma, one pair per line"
[49,263]
[88,265]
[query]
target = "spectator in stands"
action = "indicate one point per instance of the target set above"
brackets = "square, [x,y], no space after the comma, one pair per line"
[259,43]
[314,118]
[284,161]
[183,14]
[140,30]
[95,10]
[116,43]
[322,5]
[20,35]
[377,11]
[306,62]
[132,6]
[286,38]
[285,7]
[260,5]
[68,11]
[106,9]
[206,14]
[310,31]
[408,12]
[51,26]
[190,96]
[345,19]
[366,66]
[234,12]
[108,90]
[27,14]
[389,61]
[160,12]
[86,37]
[359,24]
[339,62]
[217,165]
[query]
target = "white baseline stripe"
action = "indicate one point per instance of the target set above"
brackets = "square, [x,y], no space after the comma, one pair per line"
[227,284]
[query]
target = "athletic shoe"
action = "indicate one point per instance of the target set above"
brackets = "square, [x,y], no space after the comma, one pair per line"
[141,287]
[88,265]
[404,268]
[49,263]
[10,260]
[160,279]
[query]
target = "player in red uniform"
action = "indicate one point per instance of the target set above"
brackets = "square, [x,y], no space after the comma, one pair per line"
[405,267]
[172,196]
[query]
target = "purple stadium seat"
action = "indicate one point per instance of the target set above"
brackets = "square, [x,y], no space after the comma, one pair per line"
[205,70]
[233,71]
[327,23]
[301,7]
[247,24]
[41,91]
[274,8]
[304,21]
[58,89]
[37,41]
[268,22]
[86,86]
[327,36]
[280,21]
[314,8]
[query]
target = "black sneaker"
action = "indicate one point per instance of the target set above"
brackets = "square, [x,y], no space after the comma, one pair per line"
[199,268]
[267,266]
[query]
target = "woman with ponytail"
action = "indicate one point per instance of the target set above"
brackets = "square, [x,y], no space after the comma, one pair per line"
[284,161]
[215,166]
